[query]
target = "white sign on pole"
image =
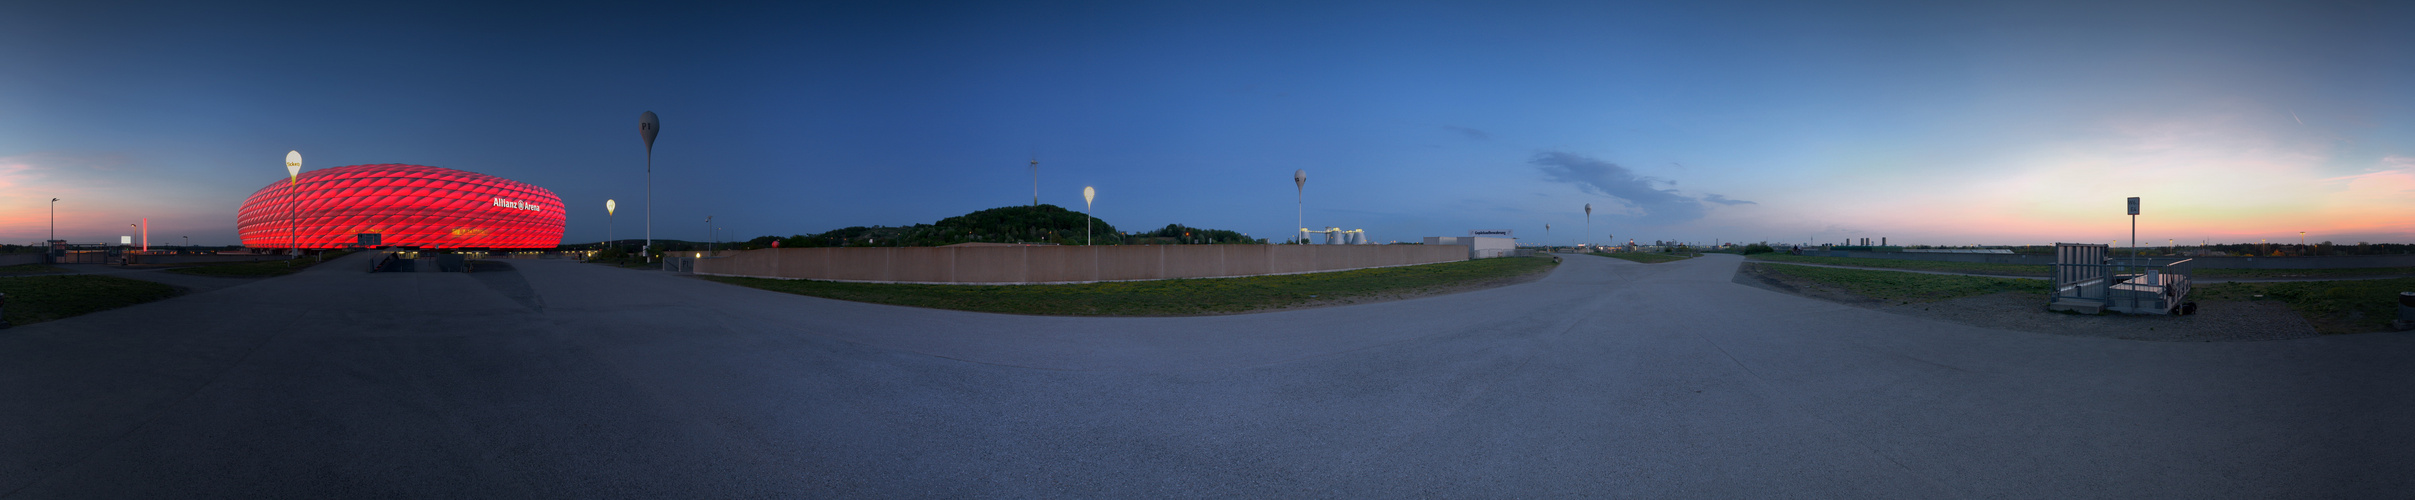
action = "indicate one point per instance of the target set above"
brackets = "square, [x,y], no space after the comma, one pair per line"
[125,240]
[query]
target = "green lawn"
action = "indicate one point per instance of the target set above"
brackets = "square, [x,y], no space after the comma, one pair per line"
[1917,265]
[2302,273]
[1166,297]
[25,269]
[2044,270]
[2332,306]
[1907,287]
[2346,306]
[35,299]
[261,269]
[1647,258]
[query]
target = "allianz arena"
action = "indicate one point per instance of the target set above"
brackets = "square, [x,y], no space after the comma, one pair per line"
[407,205]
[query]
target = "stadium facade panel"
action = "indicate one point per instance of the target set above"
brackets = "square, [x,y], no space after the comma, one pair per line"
[407,205]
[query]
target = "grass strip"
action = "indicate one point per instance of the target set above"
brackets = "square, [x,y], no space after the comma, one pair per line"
[1917,265]
[1907,287]
[2044,270]
[259,269]
[35,299]
[24,269]
[1177,297]
[2209,273]
[1647,258]
[2332,306]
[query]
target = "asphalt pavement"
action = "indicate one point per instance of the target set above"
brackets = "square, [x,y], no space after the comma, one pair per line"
[1607,378]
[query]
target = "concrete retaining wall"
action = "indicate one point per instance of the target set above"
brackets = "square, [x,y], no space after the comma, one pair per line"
[1065,264]
[2317,262]
[12,259]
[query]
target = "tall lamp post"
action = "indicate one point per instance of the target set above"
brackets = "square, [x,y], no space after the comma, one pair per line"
[647,126]
[608,220]
[2302,250]
[293,178]
[1088,193]
[1589,221]
[708,234]
[1299,184]
[1035,182]
[54,219]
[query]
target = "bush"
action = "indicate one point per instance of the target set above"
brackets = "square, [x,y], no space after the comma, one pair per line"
[1757,248]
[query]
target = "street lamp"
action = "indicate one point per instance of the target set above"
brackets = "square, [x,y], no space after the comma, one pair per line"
[608,220]
[293,177]
[1088,193]
[1299,183]
[1589,220]
[708,234]
[647,126]
[54,219]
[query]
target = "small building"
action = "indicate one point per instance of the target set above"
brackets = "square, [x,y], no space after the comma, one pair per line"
[1482,243]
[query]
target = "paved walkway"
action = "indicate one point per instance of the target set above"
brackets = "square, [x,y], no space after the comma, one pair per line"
[1606,378]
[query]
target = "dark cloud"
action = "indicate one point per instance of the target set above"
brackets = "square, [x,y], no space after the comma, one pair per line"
[1713,198]
[1659,206]
[1469,132]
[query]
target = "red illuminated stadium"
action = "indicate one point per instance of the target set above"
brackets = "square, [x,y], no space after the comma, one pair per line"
[408,205]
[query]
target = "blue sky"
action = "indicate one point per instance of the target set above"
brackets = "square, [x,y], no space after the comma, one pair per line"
[1962,123]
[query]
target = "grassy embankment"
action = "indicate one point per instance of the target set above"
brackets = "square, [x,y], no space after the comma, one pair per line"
[2039,270]
[1179,297]
[2302,273]
[35,299]
[1916,265]
[1894,286]
[1647,258]
[260,269]
[2347,306]
[26,269]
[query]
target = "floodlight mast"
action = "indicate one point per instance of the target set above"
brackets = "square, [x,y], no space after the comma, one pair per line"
[647,126]
[293,178]
[1299,183]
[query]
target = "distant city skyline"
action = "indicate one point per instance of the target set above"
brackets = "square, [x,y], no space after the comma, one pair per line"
[1954,124]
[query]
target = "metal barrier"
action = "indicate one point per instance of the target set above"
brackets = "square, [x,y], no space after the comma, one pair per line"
[2087,280]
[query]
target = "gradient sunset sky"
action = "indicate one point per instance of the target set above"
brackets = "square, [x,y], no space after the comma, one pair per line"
[1925,122]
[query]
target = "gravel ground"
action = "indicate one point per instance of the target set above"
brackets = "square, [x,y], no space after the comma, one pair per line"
[2215,321]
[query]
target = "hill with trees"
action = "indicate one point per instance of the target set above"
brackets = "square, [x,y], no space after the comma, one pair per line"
[1040,224]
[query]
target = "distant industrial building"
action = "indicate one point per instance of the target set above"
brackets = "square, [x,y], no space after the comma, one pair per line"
[1481,243]
[1337,236]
